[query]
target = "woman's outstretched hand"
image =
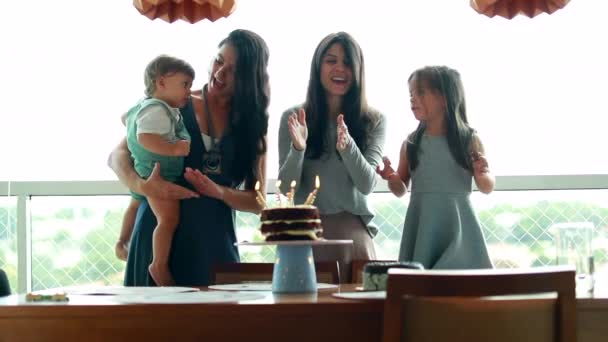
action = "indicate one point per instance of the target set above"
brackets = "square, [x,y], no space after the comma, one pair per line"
[298,129]
[387,170]
[343,137]
[156,186]
[203,184]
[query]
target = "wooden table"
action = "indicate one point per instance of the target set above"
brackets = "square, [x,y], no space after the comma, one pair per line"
[318,317]
[592,316]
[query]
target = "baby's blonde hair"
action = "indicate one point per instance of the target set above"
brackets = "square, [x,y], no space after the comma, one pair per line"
[161,66]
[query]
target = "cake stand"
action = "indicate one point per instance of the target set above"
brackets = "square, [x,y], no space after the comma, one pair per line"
[294,266]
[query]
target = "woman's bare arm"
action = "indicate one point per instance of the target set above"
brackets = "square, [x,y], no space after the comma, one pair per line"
[243,200]
[155,186]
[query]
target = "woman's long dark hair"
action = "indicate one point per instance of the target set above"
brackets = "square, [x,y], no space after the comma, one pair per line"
[359,118]
[447,82]
[249,111]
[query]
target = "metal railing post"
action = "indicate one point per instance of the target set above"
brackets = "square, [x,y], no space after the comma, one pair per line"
[24,246]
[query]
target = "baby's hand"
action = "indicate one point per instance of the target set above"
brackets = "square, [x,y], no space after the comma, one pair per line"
[480,163]
[387,171]
[182,148]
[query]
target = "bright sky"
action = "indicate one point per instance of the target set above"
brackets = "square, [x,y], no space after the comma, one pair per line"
[535,88]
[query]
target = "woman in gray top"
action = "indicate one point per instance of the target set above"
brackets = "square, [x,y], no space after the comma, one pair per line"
[338,137]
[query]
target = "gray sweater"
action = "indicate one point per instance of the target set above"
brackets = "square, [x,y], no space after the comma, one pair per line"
[346,177]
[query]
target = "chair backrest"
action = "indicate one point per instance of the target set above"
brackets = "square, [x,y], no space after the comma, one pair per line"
[5,288]
[232,273]
[357,267]
[411,291]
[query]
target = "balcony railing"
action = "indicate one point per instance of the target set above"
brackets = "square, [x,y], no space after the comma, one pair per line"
[62,233]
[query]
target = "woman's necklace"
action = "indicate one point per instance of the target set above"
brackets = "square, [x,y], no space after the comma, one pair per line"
[212,157]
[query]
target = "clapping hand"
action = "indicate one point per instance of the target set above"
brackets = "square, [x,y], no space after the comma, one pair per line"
[387,171]
[298,129]
[480,163]
[203,184]
[343,137]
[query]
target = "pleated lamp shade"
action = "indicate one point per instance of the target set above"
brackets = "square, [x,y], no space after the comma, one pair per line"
[191,11]
[510,8]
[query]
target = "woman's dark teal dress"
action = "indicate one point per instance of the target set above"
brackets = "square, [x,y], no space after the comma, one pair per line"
[206,232]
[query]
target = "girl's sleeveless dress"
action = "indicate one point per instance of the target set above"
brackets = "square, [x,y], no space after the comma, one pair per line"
[205,235]
[441,229]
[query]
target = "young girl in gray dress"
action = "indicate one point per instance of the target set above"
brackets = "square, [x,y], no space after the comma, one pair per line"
[441,157]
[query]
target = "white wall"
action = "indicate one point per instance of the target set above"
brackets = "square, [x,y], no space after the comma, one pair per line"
[535,88]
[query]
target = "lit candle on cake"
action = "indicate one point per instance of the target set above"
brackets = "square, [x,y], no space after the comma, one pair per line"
[278,191]
[313,195]
[291,193]
[259,198]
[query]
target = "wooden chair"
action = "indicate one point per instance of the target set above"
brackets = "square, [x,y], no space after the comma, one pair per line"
[232,273]
[357,267]
[450,305]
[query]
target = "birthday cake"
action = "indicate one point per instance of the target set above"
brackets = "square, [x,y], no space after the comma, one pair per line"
[375,273]
[299,222]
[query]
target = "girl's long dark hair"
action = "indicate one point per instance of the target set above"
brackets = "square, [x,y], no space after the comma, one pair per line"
[447,82]
[249,111]
[358,116]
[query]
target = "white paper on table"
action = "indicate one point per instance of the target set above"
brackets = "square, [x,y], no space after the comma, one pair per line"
[375,295]
[261,286]
[190,297]
[119,290]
